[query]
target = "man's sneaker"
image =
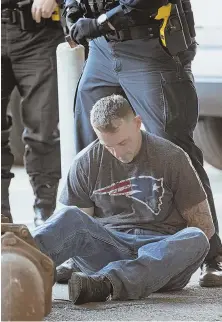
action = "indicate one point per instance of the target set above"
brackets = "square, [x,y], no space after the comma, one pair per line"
[65,270]
[211,273]
[84,289]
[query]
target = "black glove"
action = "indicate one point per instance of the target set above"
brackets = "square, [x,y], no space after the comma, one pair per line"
[72,15]
[84,29]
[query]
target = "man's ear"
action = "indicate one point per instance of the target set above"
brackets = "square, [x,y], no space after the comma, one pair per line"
[138,121]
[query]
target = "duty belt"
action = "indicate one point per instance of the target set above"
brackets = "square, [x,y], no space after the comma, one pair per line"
[25,20]
[9,16]
[137,32]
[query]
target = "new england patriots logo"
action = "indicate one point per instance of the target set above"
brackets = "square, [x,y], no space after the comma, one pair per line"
[145,189]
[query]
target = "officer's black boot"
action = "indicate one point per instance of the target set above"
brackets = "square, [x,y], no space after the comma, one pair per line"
[45,191]
[211,272]
[5,206]
[211,269]
[7,161]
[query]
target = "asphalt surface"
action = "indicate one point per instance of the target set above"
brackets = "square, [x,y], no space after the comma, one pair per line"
[191,304]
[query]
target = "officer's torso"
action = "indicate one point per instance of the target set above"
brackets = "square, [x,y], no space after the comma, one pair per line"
[139,17]
[135,17]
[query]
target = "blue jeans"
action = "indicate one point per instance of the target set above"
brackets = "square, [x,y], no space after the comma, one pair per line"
[137,262]
[159,88]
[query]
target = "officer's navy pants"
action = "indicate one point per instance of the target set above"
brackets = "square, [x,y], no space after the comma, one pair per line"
[29,62]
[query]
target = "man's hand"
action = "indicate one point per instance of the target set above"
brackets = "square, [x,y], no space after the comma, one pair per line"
[84,29]
[43,9]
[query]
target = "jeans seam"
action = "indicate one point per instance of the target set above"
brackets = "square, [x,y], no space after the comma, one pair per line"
[190,261]
[163,101]
[52,254]
[115,290]
[85,231]
[97,237]
[107,242]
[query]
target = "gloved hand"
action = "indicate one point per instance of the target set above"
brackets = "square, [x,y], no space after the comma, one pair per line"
[72,15]
[84,29]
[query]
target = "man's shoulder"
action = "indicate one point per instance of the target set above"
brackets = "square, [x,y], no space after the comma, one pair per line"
[162,146]
[154,139]
[89,154]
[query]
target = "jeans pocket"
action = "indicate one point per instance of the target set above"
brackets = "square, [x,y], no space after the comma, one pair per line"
[163,50]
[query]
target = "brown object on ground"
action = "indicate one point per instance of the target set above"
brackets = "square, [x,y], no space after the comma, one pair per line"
[27,276]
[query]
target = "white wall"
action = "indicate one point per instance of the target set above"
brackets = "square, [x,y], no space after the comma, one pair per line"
[207,12]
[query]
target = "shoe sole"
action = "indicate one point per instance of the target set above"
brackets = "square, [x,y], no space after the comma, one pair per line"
[74,287]
[62,281]
[63,275]
[210,281]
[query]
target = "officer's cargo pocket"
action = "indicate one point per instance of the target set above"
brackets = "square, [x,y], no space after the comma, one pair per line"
[180,103]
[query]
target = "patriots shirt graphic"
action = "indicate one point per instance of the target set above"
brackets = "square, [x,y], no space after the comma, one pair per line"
[146,190]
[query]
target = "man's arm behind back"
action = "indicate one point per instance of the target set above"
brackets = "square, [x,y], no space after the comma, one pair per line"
[200,216]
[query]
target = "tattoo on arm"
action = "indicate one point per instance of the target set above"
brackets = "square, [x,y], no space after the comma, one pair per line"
[200,216]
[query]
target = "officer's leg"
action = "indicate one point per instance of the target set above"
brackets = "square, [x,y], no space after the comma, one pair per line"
[8,83]
[35,70]
[162,91]
[98,80]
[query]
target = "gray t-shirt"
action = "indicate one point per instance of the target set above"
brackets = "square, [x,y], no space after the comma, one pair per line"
[151,192]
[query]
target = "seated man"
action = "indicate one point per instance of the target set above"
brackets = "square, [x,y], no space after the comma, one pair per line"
[137,220]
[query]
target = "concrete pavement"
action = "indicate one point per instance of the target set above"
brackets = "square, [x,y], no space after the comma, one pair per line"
[191,304]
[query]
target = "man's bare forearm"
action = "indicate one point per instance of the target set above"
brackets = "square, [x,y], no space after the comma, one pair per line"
[200,216]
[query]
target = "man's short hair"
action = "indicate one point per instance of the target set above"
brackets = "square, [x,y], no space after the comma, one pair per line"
[108,109]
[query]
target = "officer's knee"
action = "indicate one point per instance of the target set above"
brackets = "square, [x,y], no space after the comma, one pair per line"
[81,88]
[84,92]
[39,147]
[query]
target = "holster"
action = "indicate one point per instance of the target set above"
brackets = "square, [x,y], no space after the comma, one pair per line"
[178,37]
[25,19]
[174,30]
